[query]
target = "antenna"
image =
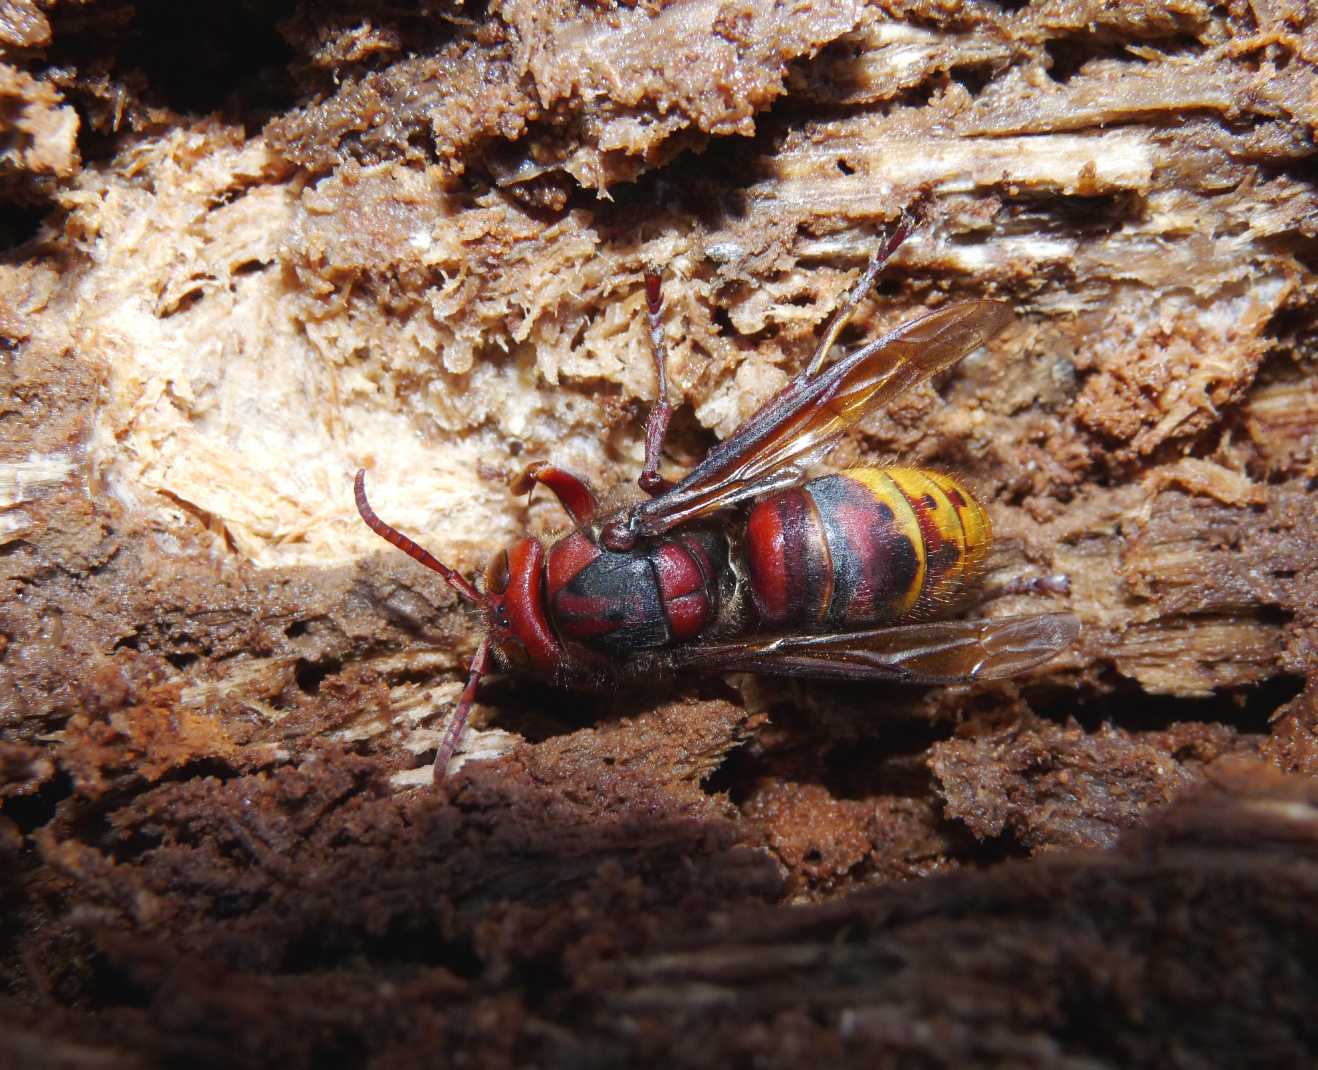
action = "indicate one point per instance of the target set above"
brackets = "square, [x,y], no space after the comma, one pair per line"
[458,582]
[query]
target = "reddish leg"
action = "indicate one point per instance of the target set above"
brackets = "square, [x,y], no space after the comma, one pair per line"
[656,427]
[479,664]
[458,718]
[858,291]
[573,495]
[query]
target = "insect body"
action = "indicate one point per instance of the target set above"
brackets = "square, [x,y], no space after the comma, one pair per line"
[647,598]
[743,565]
[868,546]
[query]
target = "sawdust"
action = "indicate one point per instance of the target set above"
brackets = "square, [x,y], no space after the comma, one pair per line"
[415,243]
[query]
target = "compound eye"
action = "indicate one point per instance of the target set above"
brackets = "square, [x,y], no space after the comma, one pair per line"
[496,573]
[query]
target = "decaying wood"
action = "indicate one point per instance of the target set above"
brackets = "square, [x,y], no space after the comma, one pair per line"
[248,254]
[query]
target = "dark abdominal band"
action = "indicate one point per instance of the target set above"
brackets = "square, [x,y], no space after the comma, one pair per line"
[874,565]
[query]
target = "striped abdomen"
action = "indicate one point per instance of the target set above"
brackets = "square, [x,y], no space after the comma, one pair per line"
[867,546]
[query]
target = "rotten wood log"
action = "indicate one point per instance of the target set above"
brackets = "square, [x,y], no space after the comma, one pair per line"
[246,255]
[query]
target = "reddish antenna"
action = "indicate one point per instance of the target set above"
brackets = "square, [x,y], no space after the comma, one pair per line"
[392,535]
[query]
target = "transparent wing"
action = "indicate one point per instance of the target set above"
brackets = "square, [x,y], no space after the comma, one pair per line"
[937,652]
[800,423]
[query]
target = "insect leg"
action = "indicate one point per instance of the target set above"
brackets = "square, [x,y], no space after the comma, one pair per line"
[576,498]
[848,307]
[656,427]
[1057,583]
[458,719]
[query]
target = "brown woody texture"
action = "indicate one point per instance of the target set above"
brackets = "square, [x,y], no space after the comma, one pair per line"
[251,247]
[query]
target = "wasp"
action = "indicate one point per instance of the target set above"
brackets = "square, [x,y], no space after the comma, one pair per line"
[746,565]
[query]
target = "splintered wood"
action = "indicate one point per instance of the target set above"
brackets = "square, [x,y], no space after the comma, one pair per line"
[251,254]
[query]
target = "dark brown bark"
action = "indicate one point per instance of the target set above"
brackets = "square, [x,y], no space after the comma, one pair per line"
[287,243]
